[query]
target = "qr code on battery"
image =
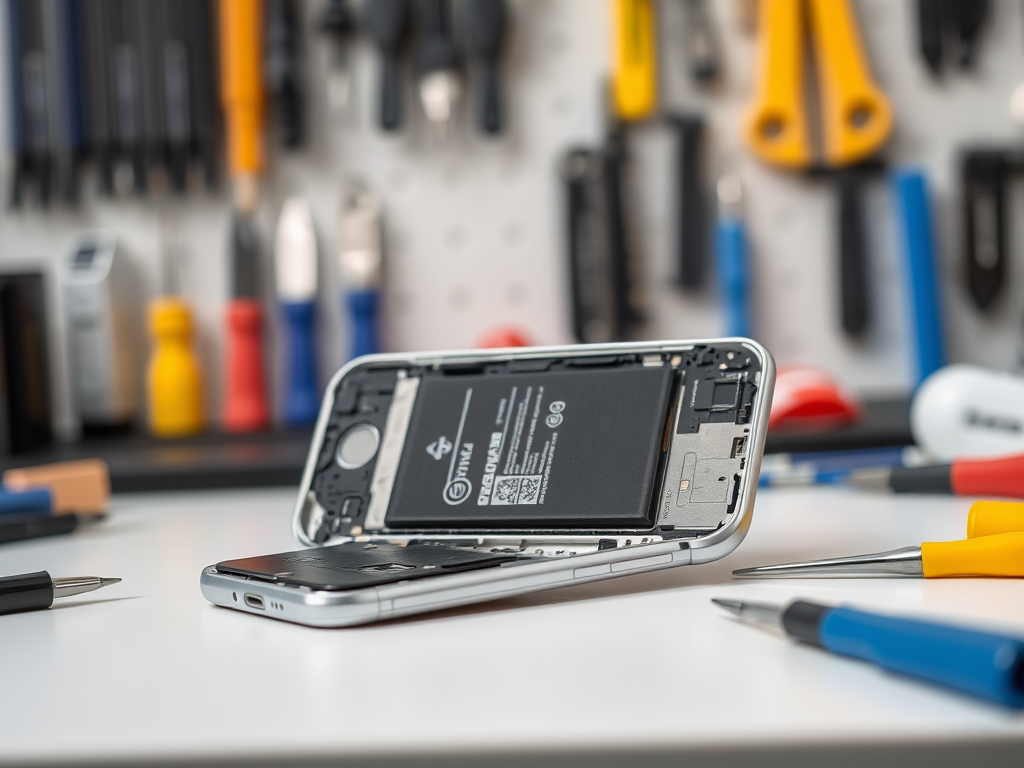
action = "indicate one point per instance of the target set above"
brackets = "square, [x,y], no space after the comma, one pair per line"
[506,491]
[529,488]
[515,489]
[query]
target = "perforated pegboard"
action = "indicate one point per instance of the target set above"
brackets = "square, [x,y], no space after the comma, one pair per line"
[475,229]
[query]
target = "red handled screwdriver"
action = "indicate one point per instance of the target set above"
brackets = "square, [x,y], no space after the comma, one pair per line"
[245,404]
[1002,476]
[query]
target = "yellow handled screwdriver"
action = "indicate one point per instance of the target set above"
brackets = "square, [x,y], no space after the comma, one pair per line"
[634,59]
[994,547]
[174,378]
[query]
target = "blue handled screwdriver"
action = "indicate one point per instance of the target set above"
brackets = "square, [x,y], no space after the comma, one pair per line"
[361,265]
[731,247]
[985,664]
[295,255]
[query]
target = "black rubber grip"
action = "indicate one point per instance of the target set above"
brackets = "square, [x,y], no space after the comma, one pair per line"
[853,268]
[691,223]
[26,592]
[934,479]
[802,620]
[983,176]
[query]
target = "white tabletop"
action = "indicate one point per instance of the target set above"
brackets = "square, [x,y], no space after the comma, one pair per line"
[149,669]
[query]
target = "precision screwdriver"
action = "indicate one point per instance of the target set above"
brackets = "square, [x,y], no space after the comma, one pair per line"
[731,252]
[361,262]
[985,664]
[963,477]
[245,401]
[438,66]
[389,22]
[295,259]
[36,591]
[996,529]
[486,30]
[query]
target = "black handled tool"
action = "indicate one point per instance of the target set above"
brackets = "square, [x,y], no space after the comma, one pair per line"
[691,221]
[203,94]
[929,33]
[983,176]
[702,46]
[36,591]
[853,261]
[281,70]
[389,23]
[438,65]
[968,16]
[486,28]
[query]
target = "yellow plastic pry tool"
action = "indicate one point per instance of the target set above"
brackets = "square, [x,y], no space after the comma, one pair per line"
[241,61]
[634,59]
[174,379]
[1001,554]
[988,518]
[856,117]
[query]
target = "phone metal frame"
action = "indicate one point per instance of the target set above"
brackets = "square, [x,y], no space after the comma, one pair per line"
[335,609]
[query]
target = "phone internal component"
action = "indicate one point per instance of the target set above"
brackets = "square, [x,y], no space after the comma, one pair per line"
[565,448]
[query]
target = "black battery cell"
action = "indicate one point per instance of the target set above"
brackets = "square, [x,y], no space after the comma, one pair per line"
[571,449]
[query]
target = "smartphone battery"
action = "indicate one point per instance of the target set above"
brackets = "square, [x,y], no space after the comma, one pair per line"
[570,449]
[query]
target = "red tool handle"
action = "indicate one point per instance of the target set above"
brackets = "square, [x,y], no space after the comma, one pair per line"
[989,477]
[245,407]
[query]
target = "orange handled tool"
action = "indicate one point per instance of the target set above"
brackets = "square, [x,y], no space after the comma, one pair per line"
[241,61]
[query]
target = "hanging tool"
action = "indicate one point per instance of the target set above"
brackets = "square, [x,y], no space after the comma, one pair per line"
[968,16]
[856,119]
[962,477]
[203,96]
[438,66]
[919,256]
[929,33]
[175,83]
[702,45]
[983,664]
[486,24]
[691,221]
[281,70]
[241,28]
[245,400]
[361,262]
[30,102]
[241,32]
[1000,554]
[60,39]
[634,85]
[389,22]
[338,25]
[731,247]
[984,175]
[605,269]
[295,260]
[95,25]
[146,34]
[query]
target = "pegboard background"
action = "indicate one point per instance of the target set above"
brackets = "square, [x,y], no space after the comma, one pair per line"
[475,228]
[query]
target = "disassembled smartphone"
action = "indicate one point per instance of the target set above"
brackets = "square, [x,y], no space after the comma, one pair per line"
[440,479]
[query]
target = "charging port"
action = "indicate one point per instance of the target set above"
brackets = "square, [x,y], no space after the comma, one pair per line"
[254,601]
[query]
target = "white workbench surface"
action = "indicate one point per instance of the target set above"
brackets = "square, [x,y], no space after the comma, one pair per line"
[148,669]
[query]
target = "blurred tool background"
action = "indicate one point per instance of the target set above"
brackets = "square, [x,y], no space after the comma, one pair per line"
[486,103]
